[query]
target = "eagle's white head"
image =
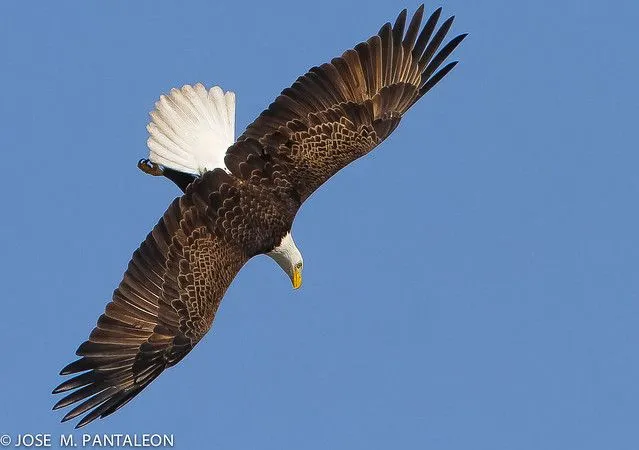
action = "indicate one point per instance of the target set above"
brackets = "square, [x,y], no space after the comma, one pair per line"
[288,256]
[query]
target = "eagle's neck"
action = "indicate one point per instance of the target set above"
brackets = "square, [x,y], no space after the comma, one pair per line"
[287,255]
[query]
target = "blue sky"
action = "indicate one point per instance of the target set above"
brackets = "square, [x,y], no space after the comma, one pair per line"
[470,284]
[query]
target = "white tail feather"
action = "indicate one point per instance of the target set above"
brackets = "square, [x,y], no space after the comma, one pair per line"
[191,129]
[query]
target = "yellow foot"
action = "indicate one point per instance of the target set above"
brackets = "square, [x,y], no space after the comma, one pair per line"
[149,167]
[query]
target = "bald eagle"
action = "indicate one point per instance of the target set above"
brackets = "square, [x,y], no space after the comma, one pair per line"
[240,198]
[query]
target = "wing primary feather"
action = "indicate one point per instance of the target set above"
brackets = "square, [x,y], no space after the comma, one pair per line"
[76,382]
[442,55]
[398,60]
[90,403]
[425,34]
[100,409]
[381,30]
[119,401]
[82,393]
[398,27]
[377,64]
[79,365]
[413,28]
[434,44]
[437,77]
[386,62]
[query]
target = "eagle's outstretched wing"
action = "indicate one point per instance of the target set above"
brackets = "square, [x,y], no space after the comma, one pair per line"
[341,110]
[164,305]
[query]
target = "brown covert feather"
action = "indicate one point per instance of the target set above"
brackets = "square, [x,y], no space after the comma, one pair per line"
[175,281]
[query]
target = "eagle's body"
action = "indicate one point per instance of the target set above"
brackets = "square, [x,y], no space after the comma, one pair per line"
[240,199]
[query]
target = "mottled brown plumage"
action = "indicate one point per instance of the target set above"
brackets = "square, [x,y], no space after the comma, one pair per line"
[341,110]
[175,281]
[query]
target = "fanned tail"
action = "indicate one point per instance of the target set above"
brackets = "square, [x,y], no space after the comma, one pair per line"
[191,128]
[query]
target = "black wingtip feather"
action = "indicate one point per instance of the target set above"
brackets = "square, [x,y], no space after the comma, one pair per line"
[84,422]
[79,365]
[59,389]
[400,23]
[413,28]
[123,399]
[437,78]
[436,41]
[442,55]
[426,33]
[384,29]
[56,407]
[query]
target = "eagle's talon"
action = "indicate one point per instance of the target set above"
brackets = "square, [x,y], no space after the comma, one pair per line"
[150,168]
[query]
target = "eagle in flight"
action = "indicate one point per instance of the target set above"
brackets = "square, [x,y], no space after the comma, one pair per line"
[240,199]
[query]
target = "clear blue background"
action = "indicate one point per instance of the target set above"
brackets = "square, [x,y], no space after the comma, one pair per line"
[472,284]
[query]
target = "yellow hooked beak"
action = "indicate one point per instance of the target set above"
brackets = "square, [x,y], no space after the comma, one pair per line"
[297,278]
